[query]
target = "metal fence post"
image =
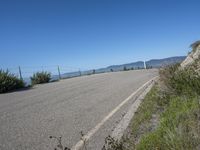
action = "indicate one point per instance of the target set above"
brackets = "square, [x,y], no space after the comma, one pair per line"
[20,73]
[80,72]
[59,72]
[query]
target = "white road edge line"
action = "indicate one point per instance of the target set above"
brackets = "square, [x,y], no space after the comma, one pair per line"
[123,124]
[86,137]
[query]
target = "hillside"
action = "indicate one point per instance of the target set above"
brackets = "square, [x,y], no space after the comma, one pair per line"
[154,63]
[193,57]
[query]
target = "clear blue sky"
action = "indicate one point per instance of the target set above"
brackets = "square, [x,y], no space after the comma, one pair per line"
[95,33]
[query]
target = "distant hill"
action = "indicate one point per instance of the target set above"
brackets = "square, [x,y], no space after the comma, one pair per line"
[133,65]
[154,63]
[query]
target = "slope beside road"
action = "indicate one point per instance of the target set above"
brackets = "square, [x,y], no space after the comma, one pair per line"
[65,108]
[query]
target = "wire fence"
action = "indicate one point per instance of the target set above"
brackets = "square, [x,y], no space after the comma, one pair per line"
[57,72]
[62,72]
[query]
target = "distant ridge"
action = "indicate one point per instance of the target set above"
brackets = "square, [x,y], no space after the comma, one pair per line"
[154,63]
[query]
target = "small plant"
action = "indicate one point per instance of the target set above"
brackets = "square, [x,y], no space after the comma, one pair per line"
[40,77]
[59,143]
[84,141]
[125,69]
[113,144]
[9,81]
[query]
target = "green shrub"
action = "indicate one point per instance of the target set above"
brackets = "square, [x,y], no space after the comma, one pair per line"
[186,82]
[40,77]
[181,81]
[167,73]
[9,82]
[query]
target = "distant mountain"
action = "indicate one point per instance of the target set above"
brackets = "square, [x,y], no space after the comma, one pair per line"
[154,63]
[134,65]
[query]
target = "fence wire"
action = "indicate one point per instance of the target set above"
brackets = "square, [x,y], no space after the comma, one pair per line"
[57,72]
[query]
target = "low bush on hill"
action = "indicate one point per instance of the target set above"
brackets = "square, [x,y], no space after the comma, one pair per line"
[9,82]
[40,77]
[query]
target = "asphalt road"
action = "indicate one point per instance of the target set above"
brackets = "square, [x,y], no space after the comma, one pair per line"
[65,108]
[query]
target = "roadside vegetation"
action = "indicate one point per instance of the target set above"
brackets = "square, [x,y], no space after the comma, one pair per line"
[178,126]
[9,82]
[169,116]
[40,77]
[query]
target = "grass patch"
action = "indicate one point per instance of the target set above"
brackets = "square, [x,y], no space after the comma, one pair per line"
[144,113]
[142,121]
[178,128]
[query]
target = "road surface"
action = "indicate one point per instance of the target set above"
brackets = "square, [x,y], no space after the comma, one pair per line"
[65,108]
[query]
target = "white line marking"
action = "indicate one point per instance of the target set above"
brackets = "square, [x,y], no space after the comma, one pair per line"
[123,124]
[86,137]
